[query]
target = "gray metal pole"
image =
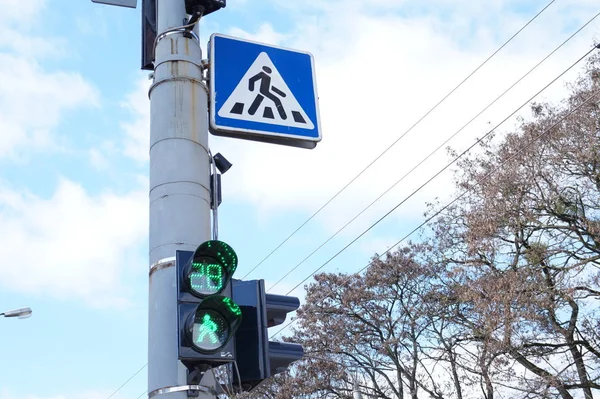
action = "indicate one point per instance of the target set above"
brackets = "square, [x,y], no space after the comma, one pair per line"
[179,187]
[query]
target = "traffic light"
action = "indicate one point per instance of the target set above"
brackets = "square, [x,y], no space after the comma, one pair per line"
[207,316]
[257,357]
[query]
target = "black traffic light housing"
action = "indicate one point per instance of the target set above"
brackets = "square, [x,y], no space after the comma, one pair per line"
[257,357]
[207,317]
[148,33]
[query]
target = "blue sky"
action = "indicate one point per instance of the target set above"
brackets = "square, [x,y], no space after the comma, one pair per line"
[74,120]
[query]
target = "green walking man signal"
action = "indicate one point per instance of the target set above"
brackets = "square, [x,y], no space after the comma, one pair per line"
[207,328]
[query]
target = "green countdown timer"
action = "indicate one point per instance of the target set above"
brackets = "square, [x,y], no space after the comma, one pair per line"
[210,268]
[210,331]
[207,278]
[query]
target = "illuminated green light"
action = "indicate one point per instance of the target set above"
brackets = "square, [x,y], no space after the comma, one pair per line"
[206,278]
[210,268]
[209,331]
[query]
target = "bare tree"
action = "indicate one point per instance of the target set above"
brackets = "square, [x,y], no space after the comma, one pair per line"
[525,244]
[500,295]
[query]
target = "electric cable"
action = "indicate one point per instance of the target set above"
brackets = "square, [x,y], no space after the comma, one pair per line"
[399,138]
[439,172]
[454,200]
[377,158]
[461,195]
[182,29]
[126,382]
[237,370]
[457,198]
[436,150]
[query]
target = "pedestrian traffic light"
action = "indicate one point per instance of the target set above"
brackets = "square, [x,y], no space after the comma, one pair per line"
[257,357]
[207,315]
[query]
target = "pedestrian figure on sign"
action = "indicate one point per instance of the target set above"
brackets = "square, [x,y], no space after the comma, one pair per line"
[265,91]
[208,329]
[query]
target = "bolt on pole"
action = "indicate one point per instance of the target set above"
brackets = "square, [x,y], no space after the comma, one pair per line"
[179,186]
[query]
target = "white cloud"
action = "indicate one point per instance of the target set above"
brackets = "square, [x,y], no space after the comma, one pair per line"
[72,245]
[137,129]
[18,10]
[380,69]
[4,394]
[376,77]
[95,24]
[31,47]
[265,33]
[33,99]
[98,159]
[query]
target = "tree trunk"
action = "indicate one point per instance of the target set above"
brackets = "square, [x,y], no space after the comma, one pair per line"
[581,370]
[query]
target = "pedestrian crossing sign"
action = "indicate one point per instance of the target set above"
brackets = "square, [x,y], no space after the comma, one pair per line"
[263,93]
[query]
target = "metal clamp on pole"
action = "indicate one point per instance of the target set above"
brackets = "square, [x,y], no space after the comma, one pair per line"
[162,264]
[193,390]
[179,29]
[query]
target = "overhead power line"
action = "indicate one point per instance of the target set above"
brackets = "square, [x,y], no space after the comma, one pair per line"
[439,172]
[377,158]
[126,382]
[399,138]
[434,151]
[594,95]
[444,168]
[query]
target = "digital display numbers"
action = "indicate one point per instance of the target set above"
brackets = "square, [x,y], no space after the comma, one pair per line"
[207,278]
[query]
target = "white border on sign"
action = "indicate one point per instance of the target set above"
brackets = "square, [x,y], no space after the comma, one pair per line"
[252,132]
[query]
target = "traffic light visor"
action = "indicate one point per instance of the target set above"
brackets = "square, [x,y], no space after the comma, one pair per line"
[210,268]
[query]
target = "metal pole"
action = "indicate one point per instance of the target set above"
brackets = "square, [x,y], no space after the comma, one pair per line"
[179,187]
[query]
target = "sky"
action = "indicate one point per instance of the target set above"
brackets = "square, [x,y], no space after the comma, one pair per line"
[74,135]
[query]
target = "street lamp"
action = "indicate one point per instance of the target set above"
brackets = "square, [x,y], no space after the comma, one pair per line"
[20,313]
